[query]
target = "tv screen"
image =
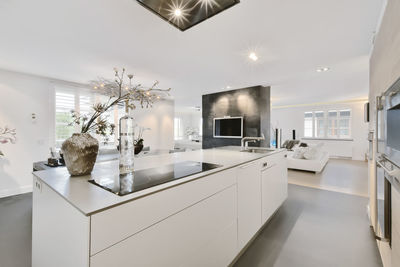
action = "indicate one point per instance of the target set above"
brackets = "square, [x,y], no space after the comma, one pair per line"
[228,127]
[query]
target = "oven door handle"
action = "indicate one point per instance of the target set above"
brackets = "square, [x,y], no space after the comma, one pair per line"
[394,173]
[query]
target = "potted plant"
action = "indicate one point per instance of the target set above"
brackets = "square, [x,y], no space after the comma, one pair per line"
[81,149]
[139,140]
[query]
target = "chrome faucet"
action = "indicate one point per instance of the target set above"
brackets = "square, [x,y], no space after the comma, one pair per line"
[246,140]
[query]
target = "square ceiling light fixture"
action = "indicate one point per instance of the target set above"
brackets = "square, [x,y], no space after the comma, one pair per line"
[184,14]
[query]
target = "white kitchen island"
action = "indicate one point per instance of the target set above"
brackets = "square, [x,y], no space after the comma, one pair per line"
[205,219]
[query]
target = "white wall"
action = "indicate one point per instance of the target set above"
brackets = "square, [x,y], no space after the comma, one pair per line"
[289,118]
[190,118]
[160,119]
[21,95]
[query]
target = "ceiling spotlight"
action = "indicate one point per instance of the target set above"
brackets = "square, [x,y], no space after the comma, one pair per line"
[228,87]
[178,12]
[323,69]
[253,56]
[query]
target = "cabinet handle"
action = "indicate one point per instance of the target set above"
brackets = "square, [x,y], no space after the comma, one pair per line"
[265,164]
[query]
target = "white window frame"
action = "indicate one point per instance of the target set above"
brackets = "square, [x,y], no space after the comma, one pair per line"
[326,119]
[312,124]
[178,130]
[78,92]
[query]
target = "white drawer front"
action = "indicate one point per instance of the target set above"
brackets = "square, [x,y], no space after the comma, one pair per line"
[272,160]
[179,240]
[113,225]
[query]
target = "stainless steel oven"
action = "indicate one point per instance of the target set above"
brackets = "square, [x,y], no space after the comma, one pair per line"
[388,158]
[392,123]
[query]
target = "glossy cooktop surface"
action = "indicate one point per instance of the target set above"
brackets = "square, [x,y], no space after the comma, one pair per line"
[142,179]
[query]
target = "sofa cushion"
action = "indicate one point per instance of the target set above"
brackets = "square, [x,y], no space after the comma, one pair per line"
[298,153]
[313,152]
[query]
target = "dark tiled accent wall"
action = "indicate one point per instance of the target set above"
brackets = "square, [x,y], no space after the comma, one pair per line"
[253,103]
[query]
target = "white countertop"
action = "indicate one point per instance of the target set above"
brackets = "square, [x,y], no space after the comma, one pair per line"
[89,198]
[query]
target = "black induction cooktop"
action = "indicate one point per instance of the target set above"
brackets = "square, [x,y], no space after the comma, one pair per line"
[142,179]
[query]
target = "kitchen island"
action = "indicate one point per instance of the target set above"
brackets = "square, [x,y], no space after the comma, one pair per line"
[204,219]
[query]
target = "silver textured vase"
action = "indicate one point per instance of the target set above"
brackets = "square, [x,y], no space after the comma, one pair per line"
[80,153]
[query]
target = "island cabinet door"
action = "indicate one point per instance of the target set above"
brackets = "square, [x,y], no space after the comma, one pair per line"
[273,187]
[395,227]
[204,234]
[249,202]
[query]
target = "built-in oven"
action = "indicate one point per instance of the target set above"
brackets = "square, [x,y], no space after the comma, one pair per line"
[392,132]
[388,158]
[383,230]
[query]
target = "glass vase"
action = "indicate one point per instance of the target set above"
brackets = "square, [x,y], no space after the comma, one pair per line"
[126,144]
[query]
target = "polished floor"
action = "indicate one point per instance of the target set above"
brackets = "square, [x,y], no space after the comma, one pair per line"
[16,231]
[339,175]
[315,228]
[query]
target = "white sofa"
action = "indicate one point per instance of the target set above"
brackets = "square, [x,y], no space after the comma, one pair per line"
[310,158]
[314,165]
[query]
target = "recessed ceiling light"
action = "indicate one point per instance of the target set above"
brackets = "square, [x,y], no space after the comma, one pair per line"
[178,12]
[323,69]
[253,56]
[228,87]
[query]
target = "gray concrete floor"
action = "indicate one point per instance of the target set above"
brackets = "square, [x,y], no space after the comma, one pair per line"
[16,231]
[313,228]
[339,175]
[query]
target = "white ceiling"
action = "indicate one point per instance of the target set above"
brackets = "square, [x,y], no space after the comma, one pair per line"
[79,40]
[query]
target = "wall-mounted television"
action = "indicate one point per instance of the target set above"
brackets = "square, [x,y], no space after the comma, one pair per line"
[228,127]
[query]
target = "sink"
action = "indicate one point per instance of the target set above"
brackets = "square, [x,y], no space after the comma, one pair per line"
[258,150]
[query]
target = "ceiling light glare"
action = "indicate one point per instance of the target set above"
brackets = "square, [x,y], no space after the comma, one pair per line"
[253,56]
[323,69]
[178,12]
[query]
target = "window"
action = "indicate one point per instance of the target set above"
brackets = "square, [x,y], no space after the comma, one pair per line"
[319,122]
[65,102]
[344,123]
[332,124]
[80,100]
[328,124]
[308,124]
[178,130]
[201,127]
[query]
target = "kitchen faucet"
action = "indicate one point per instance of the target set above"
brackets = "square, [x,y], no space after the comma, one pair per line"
[246,140]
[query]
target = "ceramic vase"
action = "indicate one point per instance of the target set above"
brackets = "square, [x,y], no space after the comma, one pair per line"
[80,153]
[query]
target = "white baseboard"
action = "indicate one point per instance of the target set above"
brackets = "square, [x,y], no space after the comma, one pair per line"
[15,191]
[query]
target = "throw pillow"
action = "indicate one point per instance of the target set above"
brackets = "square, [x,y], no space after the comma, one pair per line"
[299,153]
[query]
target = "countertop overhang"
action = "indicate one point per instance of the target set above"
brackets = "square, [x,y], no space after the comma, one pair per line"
[90,199]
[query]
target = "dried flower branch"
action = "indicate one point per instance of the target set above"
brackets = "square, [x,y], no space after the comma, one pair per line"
[120,92]
[7,135]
